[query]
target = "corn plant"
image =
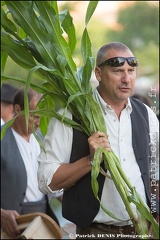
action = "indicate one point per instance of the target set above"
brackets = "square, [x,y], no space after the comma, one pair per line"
[35,38]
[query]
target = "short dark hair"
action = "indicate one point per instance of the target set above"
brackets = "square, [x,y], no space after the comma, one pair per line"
[101,54]
[19,97]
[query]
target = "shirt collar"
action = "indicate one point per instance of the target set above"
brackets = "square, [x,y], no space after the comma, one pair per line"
[104,106]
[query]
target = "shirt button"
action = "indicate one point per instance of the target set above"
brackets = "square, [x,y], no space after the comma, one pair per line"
[114,120]
[124,159]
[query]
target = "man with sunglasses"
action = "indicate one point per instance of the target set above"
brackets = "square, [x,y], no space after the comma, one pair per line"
[69,153]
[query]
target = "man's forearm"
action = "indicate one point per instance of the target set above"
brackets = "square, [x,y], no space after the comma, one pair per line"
[69,173]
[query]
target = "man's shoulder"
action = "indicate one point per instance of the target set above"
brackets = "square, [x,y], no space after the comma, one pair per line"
[7,132]
[137,102]
[7,141]
[142,107]
[138,105]
[2,122]
[139,110]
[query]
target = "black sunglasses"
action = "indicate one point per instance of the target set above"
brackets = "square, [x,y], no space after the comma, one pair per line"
[119,61]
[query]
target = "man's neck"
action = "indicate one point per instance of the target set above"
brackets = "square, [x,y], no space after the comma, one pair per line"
[22,132]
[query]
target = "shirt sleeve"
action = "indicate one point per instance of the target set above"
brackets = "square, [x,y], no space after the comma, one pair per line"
[57,144]
[154,144]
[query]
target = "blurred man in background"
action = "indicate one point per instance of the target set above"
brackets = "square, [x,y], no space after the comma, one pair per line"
[19,151]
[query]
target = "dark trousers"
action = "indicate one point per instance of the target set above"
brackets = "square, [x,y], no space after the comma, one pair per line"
[40,206]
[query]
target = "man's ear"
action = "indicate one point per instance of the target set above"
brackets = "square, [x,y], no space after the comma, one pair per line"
[98,73]
[17,109]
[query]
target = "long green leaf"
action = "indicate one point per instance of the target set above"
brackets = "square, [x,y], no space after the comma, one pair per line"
[86,46]
[6,126]
[90,10]
[51,23]
[7,24]
[68,26]
[14,50]
[32,26]
[86,76]
[94,173]
[4,57]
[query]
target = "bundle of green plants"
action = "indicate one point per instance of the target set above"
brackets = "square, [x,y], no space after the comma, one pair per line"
[42,40]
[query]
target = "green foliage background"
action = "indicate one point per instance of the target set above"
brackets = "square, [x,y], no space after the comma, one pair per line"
[139,29]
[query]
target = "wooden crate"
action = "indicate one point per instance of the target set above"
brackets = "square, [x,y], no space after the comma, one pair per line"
[36,226]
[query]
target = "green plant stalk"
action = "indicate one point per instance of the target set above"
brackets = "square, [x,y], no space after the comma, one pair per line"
[115,176]
[136,199]
[121,183]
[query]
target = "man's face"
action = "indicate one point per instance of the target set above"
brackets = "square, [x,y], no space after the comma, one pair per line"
[33,119]
[116,84]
